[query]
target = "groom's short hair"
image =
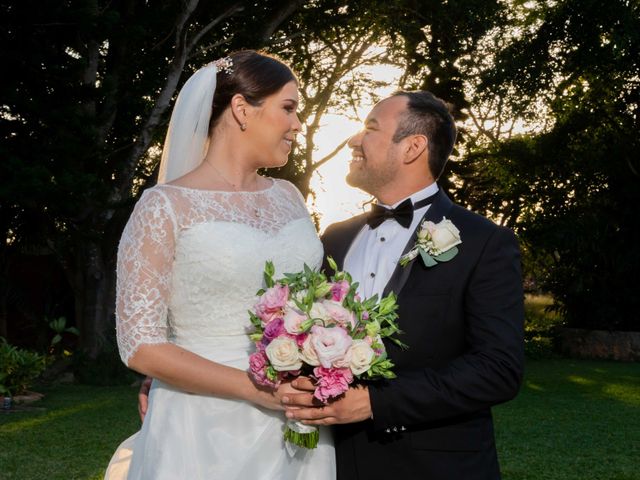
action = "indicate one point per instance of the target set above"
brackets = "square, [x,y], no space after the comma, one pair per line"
[428,115]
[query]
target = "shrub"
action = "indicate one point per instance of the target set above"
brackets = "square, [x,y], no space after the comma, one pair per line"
[18,368]
[106,369]
[541,326]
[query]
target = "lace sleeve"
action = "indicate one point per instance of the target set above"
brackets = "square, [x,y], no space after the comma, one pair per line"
[145,257]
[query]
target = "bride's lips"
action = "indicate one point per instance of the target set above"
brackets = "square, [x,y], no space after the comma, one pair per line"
[288,142]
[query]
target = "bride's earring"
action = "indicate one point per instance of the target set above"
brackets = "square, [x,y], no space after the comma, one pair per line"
[243,126]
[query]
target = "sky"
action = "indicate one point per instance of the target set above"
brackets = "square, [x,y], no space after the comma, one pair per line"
[335,200]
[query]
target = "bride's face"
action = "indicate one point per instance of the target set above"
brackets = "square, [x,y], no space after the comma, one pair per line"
[274,126]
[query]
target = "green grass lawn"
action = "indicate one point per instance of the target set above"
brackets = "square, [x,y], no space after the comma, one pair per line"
[72,437]
[573,419]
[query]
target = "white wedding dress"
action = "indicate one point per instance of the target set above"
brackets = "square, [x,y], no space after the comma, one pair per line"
[189,265]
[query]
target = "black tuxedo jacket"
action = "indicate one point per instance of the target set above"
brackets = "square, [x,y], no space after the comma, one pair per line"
[463,323]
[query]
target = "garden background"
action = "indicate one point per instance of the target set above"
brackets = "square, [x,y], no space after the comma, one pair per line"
[546,94]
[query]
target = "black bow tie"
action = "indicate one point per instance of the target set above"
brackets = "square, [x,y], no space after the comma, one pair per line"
[403,213]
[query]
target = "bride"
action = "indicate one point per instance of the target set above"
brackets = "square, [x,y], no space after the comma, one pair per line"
[189,264]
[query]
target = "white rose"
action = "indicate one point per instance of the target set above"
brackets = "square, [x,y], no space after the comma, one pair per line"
[360,356]
[444,235]
[330,344]
[308,353]
[283,354]
[318,310]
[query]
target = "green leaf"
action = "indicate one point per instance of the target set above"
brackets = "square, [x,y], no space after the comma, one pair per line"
[427,259]
[271,374]
[448,255]
[58,324]
[269,271]
[255,321]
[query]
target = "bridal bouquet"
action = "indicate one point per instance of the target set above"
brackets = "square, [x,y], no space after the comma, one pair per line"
[308,324]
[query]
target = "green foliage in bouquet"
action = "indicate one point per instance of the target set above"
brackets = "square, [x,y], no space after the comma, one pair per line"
[375,319]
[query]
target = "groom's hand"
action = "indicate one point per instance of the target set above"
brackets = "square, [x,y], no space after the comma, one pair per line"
[354,406]
[143,397]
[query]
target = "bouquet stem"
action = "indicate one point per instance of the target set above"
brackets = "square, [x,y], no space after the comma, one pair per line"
[304,436]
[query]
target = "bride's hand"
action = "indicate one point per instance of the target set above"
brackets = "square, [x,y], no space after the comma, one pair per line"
[272,399]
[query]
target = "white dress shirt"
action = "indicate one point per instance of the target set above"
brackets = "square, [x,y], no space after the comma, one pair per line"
[374,253]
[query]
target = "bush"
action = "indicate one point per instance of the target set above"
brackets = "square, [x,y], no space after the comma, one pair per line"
[541,326]
[18,368]
[106,369]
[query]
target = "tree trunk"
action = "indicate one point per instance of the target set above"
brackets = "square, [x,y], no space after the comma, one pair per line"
[5,291]
[94,298]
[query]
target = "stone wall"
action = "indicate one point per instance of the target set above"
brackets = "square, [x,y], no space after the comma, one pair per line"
[600,344]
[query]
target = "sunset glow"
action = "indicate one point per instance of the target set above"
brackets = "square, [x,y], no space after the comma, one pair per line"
[335,200]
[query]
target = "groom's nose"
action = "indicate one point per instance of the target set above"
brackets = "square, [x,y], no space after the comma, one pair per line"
[354,141]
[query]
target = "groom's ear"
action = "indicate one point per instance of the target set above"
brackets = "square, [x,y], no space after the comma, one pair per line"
[415,147]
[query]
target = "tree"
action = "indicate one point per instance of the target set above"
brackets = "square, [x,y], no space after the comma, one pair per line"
[568,188]
[329,49]
[88,91]
[438,40]
[88,94]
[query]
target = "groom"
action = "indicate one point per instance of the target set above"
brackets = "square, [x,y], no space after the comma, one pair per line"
[462,319]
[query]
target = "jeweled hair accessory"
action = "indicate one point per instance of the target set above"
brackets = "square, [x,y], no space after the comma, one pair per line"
[224,64]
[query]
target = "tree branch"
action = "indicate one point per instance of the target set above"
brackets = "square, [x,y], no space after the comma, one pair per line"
[329,156]
[237,7]
[278,17]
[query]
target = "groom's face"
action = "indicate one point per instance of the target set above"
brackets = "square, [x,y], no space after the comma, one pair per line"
[375,158]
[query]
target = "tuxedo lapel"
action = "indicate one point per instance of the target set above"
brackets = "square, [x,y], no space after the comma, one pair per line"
[438,209]
[348,233]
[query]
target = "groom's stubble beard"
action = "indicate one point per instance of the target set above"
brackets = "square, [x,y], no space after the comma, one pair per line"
[371,178]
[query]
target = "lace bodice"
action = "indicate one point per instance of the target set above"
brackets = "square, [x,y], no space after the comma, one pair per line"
[190,261]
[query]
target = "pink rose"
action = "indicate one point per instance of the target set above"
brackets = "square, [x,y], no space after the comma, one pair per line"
[268,317]
[301,338]
[271,303]
[339,290]
[273,330]
[339,314]
[293,318]
[332,382]
[258,369]
[330,344]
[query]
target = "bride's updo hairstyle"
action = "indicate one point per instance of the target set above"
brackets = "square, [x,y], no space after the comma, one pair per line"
[253,75]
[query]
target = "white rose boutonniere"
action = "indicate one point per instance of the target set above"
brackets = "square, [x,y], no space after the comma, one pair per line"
[436,243]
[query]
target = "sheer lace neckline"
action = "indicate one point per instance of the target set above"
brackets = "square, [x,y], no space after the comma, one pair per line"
[175,280]
[204,190]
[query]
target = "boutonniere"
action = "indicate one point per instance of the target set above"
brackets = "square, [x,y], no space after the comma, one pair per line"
[436,243]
